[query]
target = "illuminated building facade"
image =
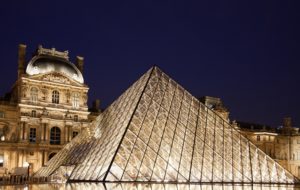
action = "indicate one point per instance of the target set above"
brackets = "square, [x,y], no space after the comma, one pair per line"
[282,144]
[46,108]
[156,131]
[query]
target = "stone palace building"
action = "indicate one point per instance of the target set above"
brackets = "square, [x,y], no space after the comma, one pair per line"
[47,107]
[282,144]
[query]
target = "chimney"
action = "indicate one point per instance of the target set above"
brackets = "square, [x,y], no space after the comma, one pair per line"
[96,105]
[79,63]
[21,59]
[287,122]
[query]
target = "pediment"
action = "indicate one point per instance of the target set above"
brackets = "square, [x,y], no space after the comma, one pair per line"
[56,77]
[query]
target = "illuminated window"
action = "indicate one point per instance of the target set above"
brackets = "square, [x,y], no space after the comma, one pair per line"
[75,133]
[32,135]
[75,100]
[257,138]
[55,97]
[55,135]
[34,94]
[1,160]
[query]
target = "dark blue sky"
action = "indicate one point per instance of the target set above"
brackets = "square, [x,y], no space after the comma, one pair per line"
[245,52]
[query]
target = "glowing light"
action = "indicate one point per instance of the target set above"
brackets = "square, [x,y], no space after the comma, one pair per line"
[25,164]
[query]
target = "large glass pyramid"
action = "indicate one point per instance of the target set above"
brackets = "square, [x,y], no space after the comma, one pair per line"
[156,131]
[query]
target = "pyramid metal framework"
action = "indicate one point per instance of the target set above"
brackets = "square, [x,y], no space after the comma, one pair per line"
[156,131]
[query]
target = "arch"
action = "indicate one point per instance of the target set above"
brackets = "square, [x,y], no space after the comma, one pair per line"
[55,97]
[55,134]
[51,155]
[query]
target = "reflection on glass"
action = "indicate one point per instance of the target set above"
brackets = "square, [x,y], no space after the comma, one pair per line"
[157,131]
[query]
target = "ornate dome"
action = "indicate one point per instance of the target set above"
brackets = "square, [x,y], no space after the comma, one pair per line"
[45,62]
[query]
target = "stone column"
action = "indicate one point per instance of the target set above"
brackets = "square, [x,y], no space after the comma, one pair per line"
[43,132]
[47,133]
[69,133]
[46,156]
[25,131]
[66,133]
[21,133]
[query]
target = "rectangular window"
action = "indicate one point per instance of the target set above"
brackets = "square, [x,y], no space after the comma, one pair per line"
[1,114]
[75,133]
[32,135]
[33,113]
[1,160]
[75,100]
[258,138]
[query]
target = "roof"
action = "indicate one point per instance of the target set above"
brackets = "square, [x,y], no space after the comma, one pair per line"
[47,61]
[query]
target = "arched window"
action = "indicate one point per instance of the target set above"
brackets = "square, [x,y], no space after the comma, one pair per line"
[34,94]
[55,135]
[75,133]
[51,155]
[75,100]
[55,97]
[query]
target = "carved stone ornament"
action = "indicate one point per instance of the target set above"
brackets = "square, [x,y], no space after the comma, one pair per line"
[44,90]
[24,90]
[56,78]
[84,98]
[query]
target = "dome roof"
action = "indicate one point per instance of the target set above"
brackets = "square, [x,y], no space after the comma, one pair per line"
[41,64]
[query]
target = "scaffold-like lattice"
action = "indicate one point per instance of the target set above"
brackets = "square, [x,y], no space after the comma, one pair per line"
[157,131]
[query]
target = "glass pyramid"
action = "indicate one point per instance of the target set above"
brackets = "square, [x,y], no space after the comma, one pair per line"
[156,131]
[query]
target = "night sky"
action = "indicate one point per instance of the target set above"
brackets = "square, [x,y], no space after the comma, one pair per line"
[247,53]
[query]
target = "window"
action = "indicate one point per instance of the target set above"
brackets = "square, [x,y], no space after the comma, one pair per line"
[55,97]
[1,160]
[76,118]
[34,95]
[75,133]
[2,136]
[75,100]
[257,138]
[1,114]
[32,135]
[51,155]
[33,113]
[55,135]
